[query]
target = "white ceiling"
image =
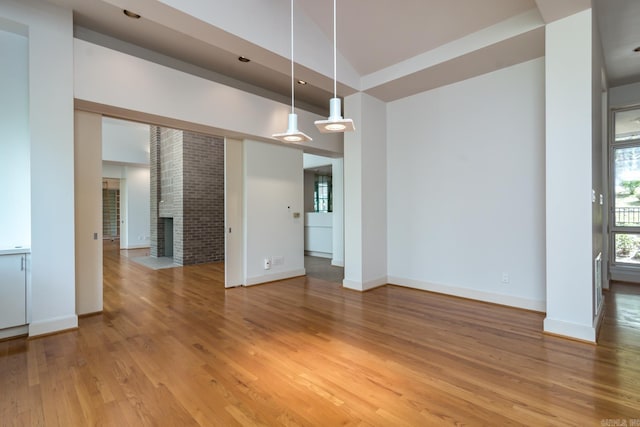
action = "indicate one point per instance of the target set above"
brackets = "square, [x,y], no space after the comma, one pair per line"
[397,30]
[387,48]
[619,23]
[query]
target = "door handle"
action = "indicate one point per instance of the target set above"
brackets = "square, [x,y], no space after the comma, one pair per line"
[22,266]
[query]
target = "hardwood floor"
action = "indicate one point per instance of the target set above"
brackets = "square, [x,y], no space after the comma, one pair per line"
[174,348]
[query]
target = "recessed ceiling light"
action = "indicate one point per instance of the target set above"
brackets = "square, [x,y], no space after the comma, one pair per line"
[130,14]
[243,59]
[302,82]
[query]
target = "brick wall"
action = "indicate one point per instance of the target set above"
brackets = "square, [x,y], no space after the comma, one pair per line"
[203,203]
[187,185]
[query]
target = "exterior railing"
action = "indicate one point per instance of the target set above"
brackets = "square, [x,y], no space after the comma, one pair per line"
[628,216]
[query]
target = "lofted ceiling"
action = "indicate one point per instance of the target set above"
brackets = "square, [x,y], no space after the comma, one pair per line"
[389,49]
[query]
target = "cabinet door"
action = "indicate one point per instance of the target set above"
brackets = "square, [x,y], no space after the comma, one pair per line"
[13,301]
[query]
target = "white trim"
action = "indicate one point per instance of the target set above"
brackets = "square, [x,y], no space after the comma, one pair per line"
[256,280]
[55,324]
[364,286]
[318,254]
[508,300]
[142,246]
[14,332]
[570,330]
[624,273]
[337,262]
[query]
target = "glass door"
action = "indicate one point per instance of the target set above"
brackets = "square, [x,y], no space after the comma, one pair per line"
[625,180]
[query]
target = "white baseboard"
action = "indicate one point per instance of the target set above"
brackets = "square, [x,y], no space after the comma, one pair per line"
[272,277]
[364,286]
[57,324]
[508,300]
[14,332]
[318,254]
[337,262]
[623,274]
[141,246]
[570,330]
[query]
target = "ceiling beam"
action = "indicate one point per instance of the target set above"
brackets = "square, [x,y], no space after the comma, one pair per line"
[552,10]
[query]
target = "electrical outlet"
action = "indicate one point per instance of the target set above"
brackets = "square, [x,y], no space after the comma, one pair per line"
[267,263]
[505,278]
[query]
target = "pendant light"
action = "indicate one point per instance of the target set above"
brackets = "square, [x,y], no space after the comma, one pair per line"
[335,122]
[292,134]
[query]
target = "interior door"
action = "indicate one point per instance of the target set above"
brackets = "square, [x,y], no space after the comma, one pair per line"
[233,213]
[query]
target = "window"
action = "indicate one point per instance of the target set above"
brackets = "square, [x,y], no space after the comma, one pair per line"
[625,188]
[322,194]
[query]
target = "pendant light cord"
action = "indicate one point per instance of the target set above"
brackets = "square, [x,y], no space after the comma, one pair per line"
[335,92]
[292,85]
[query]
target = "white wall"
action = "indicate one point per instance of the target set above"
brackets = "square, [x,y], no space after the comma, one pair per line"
[52,181]
[111,171]
[124,141]
[154,93]
[273,193]
[569,210]
[15,217]
[138,206]
[466,188]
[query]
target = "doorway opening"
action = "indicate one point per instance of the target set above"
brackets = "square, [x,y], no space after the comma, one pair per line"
[323,218]
[111,209]
[169,188]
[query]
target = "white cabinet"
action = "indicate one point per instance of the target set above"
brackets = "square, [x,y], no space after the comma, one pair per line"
[13,290]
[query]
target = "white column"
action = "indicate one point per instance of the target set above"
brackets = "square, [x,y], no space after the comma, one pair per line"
[50,29]
[365,189]
[569,177]
[337,183]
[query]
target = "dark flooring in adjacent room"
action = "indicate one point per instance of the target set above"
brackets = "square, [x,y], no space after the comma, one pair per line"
[321,268]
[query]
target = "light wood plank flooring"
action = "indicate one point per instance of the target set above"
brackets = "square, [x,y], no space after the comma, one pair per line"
[173,348]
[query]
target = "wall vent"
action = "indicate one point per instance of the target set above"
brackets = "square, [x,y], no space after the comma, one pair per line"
[597,271]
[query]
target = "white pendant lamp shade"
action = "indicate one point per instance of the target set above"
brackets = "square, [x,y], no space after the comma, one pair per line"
[292,134]
[335,123]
